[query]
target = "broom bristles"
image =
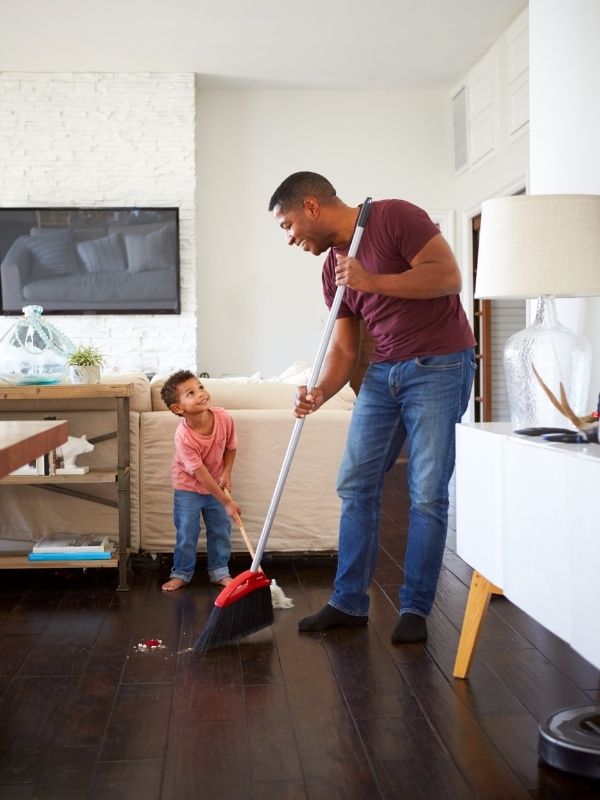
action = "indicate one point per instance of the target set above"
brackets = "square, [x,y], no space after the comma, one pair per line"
[228,623]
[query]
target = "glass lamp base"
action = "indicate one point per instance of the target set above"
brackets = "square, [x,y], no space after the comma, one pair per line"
[559,355]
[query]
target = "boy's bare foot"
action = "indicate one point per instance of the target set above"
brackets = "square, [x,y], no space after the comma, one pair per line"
[223,582]
[173,585]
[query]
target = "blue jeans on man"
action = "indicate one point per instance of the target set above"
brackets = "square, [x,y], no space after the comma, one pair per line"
[419,400]
[189,508]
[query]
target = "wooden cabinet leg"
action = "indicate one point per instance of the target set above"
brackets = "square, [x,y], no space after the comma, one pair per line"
[477,603]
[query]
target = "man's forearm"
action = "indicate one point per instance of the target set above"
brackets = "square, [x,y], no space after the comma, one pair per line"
[337,370]
[422,283]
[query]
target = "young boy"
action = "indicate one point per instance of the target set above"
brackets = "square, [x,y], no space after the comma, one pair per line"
[205,445]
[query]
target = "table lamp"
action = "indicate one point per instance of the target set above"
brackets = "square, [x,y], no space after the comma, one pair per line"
[542,246]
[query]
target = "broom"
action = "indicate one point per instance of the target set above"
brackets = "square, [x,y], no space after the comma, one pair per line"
[278,597]
[244,606]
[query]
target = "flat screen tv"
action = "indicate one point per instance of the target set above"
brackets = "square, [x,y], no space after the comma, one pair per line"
[90,260]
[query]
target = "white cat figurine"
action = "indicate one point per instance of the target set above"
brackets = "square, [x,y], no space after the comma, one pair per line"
[73,447]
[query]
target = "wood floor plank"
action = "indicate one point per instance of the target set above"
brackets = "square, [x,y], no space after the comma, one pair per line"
[17,791]
[580,671]
[209,688]
[139,722]
[30,714]
[439,780]
[332,755]
[486,772]
[67,773]
[65,645]
[158,618]
[31,613]
[281,790]
[208,760]
[373,688]
[127,780]
[272,741]
[539,686]
[516,737]
[87,711]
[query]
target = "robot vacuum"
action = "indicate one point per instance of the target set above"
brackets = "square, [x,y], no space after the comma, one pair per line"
[570,740]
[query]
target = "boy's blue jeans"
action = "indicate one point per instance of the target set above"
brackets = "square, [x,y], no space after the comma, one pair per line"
[419,400]
[188,508]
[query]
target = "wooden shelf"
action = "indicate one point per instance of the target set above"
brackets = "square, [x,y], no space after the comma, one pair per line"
[81,398]
[93,476]
[22,562]
[64,391]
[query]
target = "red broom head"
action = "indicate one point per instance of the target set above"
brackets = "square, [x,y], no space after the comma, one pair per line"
[241,586]
[243,607]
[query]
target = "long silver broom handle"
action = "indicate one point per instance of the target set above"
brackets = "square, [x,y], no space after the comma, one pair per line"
[312,382]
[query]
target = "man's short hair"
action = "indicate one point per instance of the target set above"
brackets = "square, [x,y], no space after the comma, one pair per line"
[293,190]
[169,389]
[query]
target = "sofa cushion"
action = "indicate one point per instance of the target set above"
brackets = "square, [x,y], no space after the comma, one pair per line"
[140,399]
[53,254]
[150,252]
[251,393]
[103,255]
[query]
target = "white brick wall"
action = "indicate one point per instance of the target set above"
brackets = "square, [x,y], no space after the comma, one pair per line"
[108,139]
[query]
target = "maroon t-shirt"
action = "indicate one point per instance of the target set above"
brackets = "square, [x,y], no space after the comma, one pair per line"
[400,328]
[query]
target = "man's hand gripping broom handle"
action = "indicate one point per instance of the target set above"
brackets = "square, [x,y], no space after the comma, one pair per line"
[312,382]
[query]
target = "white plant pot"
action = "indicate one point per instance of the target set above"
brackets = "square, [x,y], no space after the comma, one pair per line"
[85,374]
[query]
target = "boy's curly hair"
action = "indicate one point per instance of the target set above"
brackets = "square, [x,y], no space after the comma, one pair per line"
[169,389]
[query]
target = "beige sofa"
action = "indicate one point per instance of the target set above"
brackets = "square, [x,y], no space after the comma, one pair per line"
[308,514]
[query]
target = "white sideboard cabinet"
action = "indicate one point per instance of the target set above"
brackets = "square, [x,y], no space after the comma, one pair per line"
[527,520]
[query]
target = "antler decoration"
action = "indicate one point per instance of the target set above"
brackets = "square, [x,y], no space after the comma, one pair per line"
[581,423]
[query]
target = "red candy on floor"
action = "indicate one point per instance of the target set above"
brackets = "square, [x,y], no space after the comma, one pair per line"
[153,642]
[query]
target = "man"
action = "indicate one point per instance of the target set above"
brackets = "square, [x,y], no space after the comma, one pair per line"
[404,283]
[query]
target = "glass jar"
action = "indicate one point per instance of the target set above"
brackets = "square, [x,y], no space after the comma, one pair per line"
[33,350]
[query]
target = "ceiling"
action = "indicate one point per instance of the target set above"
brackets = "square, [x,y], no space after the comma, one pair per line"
[307,44]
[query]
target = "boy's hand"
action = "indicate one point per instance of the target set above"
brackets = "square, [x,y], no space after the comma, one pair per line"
[231,507]
[233,510]
[225,483]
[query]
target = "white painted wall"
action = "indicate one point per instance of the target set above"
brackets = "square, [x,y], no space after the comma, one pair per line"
[108,139]
[503,173]
[260,305]
[249,303]
[565,126]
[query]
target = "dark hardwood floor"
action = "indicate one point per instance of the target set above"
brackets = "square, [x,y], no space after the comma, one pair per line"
[279,716]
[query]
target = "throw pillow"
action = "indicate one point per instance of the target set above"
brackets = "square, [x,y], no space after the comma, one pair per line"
[103,255]
[149,252]
[53,254]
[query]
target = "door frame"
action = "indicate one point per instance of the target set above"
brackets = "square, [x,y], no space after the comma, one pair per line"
[518,184]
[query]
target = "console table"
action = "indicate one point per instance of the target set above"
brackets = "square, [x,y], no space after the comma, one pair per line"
[527,522]
[36,398]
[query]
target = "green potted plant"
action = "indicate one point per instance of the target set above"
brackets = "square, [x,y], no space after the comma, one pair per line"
[85,363]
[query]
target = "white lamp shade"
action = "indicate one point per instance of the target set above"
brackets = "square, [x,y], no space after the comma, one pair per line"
[531,245]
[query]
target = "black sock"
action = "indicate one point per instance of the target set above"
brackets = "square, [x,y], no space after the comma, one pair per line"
[330,617]
[410,628]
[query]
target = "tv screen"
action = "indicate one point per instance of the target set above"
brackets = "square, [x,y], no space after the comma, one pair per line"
[90,260]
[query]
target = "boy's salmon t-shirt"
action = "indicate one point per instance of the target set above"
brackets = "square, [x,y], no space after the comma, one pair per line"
[192,450]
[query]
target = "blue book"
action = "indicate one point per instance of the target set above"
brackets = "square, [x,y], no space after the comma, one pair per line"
[91,555]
